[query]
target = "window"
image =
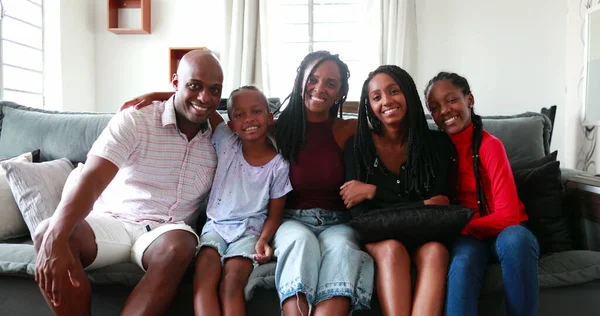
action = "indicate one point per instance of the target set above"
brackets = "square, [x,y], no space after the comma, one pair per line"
[298,27]
[22,52]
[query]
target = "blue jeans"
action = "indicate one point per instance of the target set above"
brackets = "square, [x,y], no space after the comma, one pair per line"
[320,256]
[516,249]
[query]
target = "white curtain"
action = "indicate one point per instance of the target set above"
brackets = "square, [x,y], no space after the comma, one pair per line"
[245,51]
[394,23]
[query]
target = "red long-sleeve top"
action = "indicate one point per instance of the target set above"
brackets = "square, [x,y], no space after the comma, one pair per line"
[505,208]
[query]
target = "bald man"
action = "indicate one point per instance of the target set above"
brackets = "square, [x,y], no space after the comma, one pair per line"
[136,198]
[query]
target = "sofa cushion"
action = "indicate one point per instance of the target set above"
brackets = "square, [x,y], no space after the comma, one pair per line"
[12,224]
[263,276]
[37,187]
[542,192]
[17,259]
[554,270]
[525,136]
[57,134]
[128,274]
[537,163]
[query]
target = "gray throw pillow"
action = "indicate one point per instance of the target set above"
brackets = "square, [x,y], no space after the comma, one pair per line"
[11,220]
[37,187]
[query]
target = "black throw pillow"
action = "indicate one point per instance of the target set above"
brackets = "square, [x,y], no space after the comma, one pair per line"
[414,224]
[537,163]
[36,157]
[542,191]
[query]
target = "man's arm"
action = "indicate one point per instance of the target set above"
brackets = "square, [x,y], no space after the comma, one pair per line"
[55,258]
[97,173]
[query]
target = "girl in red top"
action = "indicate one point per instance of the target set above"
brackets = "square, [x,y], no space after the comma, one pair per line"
[485,183]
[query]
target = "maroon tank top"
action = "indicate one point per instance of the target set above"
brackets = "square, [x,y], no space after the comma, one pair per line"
[318,173]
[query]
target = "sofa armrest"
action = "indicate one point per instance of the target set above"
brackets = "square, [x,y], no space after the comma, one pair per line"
[582,203]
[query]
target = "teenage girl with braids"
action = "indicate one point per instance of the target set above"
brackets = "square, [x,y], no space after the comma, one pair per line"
[485,183]
[320,263]
[397,160]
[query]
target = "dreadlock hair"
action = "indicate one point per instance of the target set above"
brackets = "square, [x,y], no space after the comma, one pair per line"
[422,158]
[251,88]
[462,83]
[290,130]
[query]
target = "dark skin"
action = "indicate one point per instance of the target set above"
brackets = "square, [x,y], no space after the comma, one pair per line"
[66,243]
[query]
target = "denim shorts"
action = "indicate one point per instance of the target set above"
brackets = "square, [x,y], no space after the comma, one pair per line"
[319,255]
[242,247]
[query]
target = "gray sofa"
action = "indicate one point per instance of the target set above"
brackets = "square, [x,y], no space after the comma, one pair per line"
[569,280]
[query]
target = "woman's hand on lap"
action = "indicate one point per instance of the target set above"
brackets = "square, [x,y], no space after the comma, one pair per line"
[355,192]
[437,200]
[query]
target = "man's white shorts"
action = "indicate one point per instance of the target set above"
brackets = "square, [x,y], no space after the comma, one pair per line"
[122,242]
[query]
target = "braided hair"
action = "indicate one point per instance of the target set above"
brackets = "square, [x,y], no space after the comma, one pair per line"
[462,83]
[422,160]
[290,129]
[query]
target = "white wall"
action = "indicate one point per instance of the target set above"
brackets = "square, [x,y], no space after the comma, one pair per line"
[130,65]
[513,53]
[69,63]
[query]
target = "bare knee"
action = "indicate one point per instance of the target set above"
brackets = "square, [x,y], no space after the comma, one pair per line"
[235,277]
[432,254]
[175,251]
[208,264]
[389,250]
[208,258]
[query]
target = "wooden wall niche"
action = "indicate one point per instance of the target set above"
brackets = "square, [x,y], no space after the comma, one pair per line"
[113,16]
[175,55]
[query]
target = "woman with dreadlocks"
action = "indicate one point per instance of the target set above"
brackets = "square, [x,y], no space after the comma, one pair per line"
[319,259]
[396,161]
[485,183]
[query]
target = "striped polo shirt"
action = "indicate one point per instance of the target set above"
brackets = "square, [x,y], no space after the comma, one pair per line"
[162,176]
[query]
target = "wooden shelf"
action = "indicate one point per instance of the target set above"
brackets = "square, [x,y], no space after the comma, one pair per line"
[175,55]
[113,16]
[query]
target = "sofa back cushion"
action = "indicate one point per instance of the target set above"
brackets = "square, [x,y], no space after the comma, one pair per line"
[71,134]
[56,134]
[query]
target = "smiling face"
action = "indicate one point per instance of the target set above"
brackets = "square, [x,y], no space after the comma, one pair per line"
[322,87]
[449,106]
[387,100]
[198,84]
[249,115]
